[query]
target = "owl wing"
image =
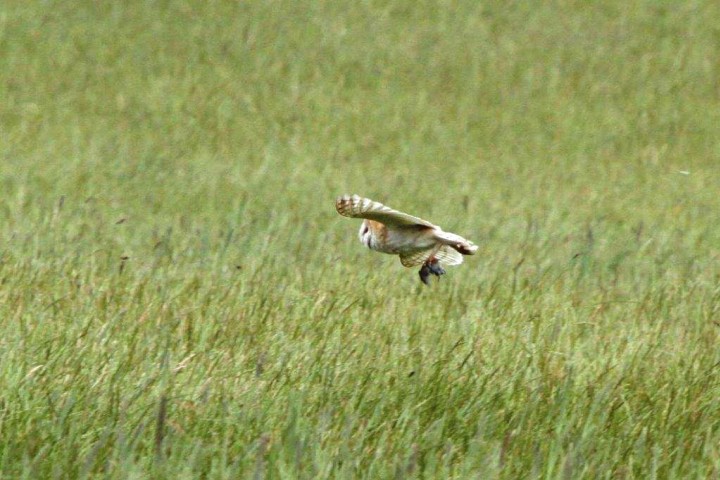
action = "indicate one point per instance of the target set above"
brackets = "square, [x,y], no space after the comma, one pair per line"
[446,256]
[359,207]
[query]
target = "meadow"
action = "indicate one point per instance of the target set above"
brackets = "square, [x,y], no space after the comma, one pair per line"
[179,298]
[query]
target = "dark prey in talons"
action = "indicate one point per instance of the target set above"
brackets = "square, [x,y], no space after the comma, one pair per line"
[431,267]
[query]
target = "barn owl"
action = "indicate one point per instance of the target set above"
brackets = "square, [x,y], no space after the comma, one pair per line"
[416,241]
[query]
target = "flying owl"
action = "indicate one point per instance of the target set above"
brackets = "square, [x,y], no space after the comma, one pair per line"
[416,241]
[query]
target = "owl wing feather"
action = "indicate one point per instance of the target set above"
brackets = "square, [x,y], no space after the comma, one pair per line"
[446,256]
[359,207]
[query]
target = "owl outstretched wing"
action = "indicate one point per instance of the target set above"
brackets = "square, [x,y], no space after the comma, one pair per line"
[359,207]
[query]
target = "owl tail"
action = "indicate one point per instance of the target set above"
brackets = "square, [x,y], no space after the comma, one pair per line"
[466,247]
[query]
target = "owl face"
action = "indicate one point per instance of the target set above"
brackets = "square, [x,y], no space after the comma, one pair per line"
[365,234]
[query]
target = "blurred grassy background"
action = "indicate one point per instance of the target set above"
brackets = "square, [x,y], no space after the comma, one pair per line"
[179,297]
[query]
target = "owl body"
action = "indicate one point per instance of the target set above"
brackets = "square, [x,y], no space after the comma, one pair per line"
[400,240]
[416,241]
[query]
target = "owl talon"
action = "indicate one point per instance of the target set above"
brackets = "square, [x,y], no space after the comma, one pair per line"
[431,267]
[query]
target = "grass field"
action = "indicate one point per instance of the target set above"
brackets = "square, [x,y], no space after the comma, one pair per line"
[179,298]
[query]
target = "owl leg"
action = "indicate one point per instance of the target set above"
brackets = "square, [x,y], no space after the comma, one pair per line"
[430,267]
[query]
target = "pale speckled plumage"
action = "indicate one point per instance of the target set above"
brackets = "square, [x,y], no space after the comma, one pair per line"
[415,240]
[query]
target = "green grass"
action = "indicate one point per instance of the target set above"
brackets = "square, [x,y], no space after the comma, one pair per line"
[179,299]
